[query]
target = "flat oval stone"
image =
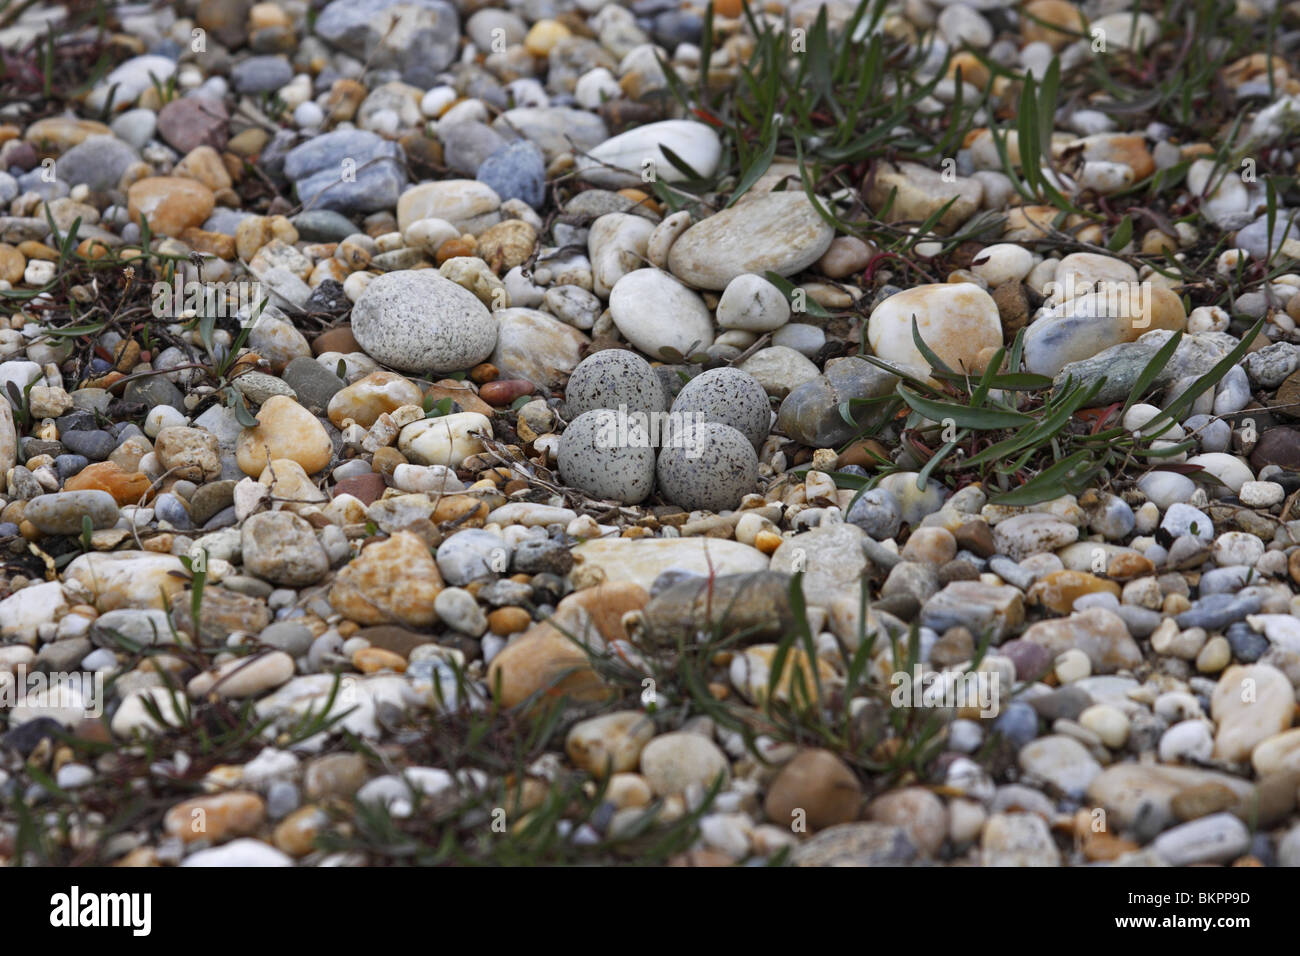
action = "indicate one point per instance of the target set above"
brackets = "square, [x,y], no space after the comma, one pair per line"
[781,232]
[654,311]
[694,143]
[420,322]
[62,513]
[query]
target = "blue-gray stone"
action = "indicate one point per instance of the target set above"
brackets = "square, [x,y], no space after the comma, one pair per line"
[261,74]
[69,465]
[516,171]
[1247,644]
[1254,238]
[97,161]
[1141,621]
[313,383]
[467,145]
[677,26]
[167,507]
[225,221]
[1214,612]
[152,391]
[281,799]
[323,225]
[877,513]
[1011,572]
[421,51]
[375,166]
[1018,723]
[35,182]
[94,445]
[1227,580]
[225,518]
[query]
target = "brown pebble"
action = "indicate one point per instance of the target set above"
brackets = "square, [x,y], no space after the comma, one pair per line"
[337,339]
[483,373]
[861,453]
[366,488]
[975,537]
[453,249]
[504,392]
[509,620]
[368,660]
[386,460]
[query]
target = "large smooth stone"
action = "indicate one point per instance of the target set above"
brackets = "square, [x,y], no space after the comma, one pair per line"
[421,322]
[654,311]
[637,153]
[778,232]
[641,560]
[957,321]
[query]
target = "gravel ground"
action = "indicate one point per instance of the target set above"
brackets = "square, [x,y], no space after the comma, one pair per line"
[574,431]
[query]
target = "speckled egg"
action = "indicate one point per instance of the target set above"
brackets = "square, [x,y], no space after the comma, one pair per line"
[614,377]
[608,455]
[707,466]
[729,396]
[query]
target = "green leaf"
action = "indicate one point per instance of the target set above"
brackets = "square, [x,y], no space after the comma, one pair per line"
[442,407]
[1176,408]
[1067,474]
[762,162]
[681,165]
[936,364]
[1123,234]
[242,414]
[811,307]
[1151,372]
[944,451]
[963,416]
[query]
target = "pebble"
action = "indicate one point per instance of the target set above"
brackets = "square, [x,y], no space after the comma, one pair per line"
[396,580]
[637,151]
[671,763]
[421,322]
[285,430]
[752,304]
[638,304]
[282,548]
[67,512]
[777,232]
[957,322]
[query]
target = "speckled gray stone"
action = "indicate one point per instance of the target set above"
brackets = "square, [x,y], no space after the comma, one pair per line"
[707,467]
[614,377]
[729,396]
[606,460]
[421,322]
